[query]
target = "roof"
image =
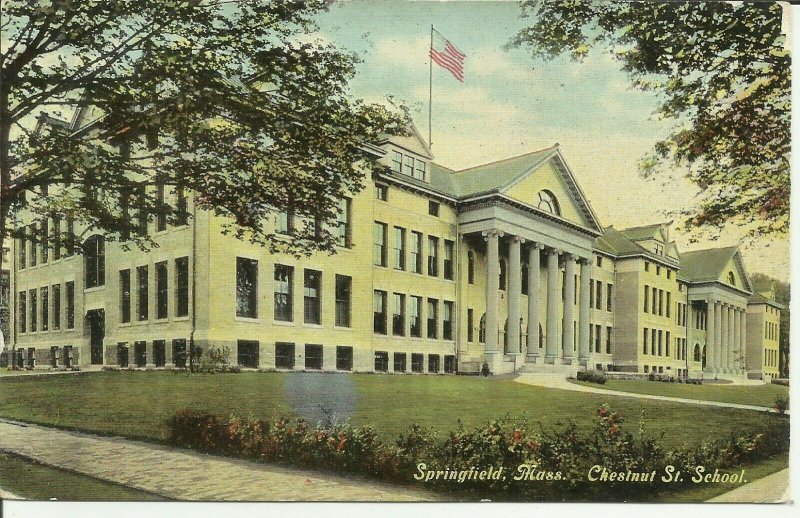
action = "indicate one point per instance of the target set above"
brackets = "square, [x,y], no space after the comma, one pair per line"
[757,298]
[642,232]
[496,175]
[705,265]
[615,242]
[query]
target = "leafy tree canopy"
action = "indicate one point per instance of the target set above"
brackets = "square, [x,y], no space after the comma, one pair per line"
[250,111]
[723,74]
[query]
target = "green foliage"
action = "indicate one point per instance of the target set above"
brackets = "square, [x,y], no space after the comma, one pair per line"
[216,360]
[592,376]
[561,456]
[249,109]
[723,74]
[781,405]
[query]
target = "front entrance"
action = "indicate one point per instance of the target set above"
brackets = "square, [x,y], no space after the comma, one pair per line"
[96,318]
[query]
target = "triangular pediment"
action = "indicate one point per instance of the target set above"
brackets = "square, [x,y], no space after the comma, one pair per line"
[412,141]
[734,273]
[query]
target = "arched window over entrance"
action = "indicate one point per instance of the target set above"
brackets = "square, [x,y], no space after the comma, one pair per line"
[548,202]
[732,278]
[482,329]
[94,261]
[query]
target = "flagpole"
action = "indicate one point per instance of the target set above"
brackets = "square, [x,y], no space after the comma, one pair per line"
[430,93]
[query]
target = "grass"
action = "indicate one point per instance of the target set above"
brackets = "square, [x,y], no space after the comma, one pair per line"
[758,395]
[34,481]
[136,404]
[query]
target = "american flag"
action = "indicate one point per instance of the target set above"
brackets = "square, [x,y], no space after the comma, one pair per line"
[447,56]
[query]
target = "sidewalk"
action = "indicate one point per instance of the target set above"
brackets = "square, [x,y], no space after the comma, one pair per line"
[559,382]
[773,489]
[186,475]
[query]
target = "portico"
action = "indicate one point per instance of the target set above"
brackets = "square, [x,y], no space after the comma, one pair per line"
[725,332]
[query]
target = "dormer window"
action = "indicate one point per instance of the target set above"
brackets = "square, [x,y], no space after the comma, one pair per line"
[420,170]
[659,248]
[397,162]
[408,165]
[547,202]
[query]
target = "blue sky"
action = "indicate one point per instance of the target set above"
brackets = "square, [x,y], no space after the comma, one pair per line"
[510,104]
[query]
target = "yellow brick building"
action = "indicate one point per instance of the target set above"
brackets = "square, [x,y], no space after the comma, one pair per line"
[438,271]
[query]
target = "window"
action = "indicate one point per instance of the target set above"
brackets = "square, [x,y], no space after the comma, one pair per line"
[283,292]
[70,237]
[56,289]
[599,261]
[661,302]
[182,207]
[43,294]
[22,318]
[653,342]
[141,213]
[669,273]
[608,339]
[433,208]
[179,353]
[547,202]
[447,320]
[731,278]
[122,354]
[415,304]
[381,361]
[645,334]
[284,355]
[433,256]
[246,287]
[343,223]
[162,292]
[399,248]
[33,251]
[449,364]
[654,301]
[448,259]
[416,252]
[247,353]
[433,317]
[182,286]
[433,363]
[56,231]
[669,303]
[140,354]
[646,266]
[44,237]
[142,292]
[160,353]
[379,312]
[381,192]
[161,215]
[399,362]
[470,326]
[312,286]
[666,342]
[344,285]
[399,315]
[33,310]
[471,267]
[379,247]
[598,293]
[419,172]
[94,261]
[344,358]
[21,245]
[417,362]
[70,305]
[408,165]
[609,289]
[284,222]
[598,337]
[660,340]
[482,330]
[658,269]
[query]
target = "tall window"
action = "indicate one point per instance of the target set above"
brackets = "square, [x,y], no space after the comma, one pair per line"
[397,162]
[283,292]
[162,290]
[70,305]
[447,320]
[141,212]
[608,339]
[399,315]
[343,223]
[44,295]
[598,293]
[344,285]
[33,309]
[182,286]
[379,312]
[246,287]
[433,256]
[56,230]
[95,261]
[142,293]
[654,301]
[70,237]
[312,283]
[609,289]
[284,222]
[125,296]
[399,248]
[379,244]
[433,318]
[22,318]
[45,238]
[646,298]
[56,289]
[182,207]
[471,267]
[547,202]
[414,304]
[33,245]
[22,245]
[161,215]
[470,326]
[416,252]
[448,259]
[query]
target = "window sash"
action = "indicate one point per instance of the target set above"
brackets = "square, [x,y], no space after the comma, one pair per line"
[283,293]
[246,287]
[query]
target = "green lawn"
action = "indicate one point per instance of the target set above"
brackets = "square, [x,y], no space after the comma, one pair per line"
[759,395]
[136,404]
[35,481]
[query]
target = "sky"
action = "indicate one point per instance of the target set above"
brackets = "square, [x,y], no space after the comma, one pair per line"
[510,104]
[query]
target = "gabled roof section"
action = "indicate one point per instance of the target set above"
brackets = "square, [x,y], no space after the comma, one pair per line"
[709,265]
[617,243]
[497,176]
[641,233]
[757,298]
[412,142]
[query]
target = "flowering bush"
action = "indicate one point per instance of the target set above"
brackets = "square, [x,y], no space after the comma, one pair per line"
[542,465]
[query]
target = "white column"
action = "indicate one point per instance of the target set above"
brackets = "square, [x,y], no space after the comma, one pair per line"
[711,331]
[492,287]
[718,337]
[514,293]
[723,338]
[584,317]
[731,340]
[737,341]
[568,333]
[743,341]
[533,300]
[552,305]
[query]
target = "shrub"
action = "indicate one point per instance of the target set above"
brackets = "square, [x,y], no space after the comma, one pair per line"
[216,360]
[485,370]
[781,405]
[592,376]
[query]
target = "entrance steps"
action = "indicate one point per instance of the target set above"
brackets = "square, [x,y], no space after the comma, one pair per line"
[561,370]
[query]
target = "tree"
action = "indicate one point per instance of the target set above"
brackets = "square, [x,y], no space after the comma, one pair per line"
[722,73]
[235,101]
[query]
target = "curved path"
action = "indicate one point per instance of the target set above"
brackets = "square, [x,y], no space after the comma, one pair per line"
[559,382]
[772,489]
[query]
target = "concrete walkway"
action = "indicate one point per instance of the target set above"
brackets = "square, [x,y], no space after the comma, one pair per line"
[186,475]
[773,489]
[559,382]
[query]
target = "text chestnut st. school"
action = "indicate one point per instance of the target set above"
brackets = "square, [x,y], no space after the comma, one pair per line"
[437,271]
